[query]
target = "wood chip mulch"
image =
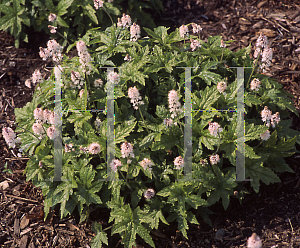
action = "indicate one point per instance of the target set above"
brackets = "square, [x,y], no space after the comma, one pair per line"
[274,213]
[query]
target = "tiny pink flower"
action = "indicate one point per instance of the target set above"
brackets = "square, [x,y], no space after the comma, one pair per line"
[149,193]
[168,122]
[179,162]
[9,136]
[51,132]
[124,22]
[98,83]
[115,164]
[94,148]
[135,32]
[214,128]
[135,97]
[255,84]
[146,163]
[38,129]
[52,29]
[214,159]
[127,150]
[254,241]
[174,104]
[183,31]
[98,4]
[37,77]
[266,115]
[275,119]
[266,135]
[222,86]
[113,77]
[196,28]
[39,115]
[127,58]
[46,115]
[194,44]
[69,148]
[52,17]
[28,83]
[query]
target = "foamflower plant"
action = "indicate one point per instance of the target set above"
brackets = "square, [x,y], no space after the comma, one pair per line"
[144,183]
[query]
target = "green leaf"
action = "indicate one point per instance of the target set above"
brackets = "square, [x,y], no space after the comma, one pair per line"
[257,173]
[252,132]
[101,236]
[123,131]
[208,97]
[90,11]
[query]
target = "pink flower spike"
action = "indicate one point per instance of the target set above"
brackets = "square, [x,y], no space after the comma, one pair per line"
[254,241]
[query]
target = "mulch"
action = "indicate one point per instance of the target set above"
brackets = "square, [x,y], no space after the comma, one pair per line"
[274,213]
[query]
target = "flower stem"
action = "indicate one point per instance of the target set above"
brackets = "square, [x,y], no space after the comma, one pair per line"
[112,22]
[144,121]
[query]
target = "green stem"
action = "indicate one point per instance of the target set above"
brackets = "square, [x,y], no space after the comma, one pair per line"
[112,22]
[254,67]
[63,37]
[28,131]
[126,178]
[144,121]
[218,144]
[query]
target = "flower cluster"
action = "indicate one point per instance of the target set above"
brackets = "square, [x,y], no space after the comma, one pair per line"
[115,164]
[183,31]
[127,58]
[262,48]
[194,44]
[36,78]
[254,241]
[94,148]
[84,56]
[38,129]
[53,50]
[266,58]
[81,92]
[43,117]
[51,132]
[146,163]
[10,137]
[127,150]
[98,83]
[214,159]
[266,116]
[214,128]
[174,104]
[113,77]
[255,84]
[52,17]
[196,28]
[52,29]
[223,45]
[169,122]
[261,43]
[222,86]
[135,32]
[149,193]
[98,4]
[179,162]
[124,22]
[266,135]
[77,80]
[69,148]
[135,97]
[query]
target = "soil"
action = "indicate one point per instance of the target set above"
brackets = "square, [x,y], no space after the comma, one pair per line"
[274,213]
